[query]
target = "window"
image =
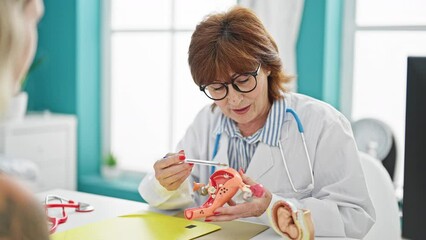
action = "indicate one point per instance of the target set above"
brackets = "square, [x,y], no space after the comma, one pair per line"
[379,36]
[149,96]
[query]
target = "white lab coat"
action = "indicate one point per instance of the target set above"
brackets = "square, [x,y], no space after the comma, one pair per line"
[339,202]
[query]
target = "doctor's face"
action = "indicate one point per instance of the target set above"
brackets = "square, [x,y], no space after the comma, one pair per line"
[248,110]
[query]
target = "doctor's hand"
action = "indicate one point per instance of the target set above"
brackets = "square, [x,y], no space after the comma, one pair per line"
[171,171]
[256,207]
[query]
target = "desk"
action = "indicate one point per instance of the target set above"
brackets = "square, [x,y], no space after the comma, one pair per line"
[108,207]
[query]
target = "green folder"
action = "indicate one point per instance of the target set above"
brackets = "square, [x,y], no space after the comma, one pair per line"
[146,225]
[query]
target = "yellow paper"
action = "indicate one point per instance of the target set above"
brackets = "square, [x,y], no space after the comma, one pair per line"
[147,225]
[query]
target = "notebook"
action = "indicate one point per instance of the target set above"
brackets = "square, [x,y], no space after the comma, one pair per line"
[145,225]
[232,230]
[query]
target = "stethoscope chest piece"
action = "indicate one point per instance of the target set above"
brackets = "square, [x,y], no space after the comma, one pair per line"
[84,207]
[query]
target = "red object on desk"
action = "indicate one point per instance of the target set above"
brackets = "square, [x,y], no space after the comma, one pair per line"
[63,203]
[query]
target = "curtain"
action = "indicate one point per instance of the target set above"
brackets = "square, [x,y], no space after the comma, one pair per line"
[282,19]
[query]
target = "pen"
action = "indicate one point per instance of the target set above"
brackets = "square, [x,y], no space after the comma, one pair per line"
[204,162]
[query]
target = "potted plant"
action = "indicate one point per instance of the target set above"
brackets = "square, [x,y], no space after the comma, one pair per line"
[18,105]
[110,168]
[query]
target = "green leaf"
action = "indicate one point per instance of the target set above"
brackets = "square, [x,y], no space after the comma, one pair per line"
[110,160]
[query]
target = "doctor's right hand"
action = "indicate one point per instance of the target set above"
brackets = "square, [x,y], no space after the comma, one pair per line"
[171,171]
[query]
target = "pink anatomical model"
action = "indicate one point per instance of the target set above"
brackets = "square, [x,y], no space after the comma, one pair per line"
[223,185]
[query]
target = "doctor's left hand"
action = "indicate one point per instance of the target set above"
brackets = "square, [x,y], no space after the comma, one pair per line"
[254,208]
[171,172]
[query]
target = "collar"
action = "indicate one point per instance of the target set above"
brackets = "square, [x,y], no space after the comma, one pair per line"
[268,134]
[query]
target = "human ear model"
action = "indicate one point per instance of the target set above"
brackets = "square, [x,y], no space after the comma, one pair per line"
[223,185]
[292,223]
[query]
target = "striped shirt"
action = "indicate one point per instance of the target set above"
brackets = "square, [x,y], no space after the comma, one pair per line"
[241,149]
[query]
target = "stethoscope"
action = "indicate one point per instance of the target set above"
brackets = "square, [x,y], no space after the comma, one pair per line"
[53,201]
[310,186]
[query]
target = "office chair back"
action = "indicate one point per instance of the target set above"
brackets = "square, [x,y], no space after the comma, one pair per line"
[382,193]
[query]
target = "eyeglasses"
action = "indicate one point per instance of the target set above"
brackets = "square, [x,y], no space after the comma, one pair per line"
[243,83]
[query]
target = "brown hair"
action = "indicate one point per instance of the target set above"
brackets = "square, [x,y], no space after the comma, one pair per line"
[235,41]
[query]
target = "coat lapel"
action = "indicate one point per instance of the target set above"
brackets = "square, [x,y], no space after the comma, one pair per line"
[222,153]
[261,162]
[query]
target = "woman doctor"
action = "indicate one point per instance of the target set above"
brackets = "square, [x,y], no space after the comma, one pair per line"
[255,126]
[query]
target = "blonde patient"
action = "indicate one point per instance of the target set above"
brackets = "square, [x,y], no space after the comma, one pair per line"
[21,217]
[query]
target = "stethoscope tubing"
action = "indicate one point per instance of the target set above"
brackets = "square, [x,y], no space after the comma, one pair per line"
[62,205]
[302,135]
[77,206]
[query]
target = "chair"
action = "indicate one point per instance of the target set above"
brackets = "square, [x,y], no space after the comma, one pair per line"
[376,138]
[382,193]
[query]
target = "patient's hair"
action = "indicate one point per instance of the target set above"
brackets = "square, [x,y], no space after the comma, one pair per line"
[21,217]
[235,42]
[12,42]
